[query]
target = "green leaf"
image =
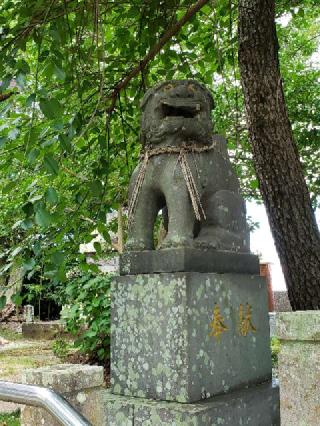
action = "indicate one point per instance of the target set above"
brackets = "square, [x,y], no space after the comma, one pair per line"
[51,196]
[13,134]
[254,184]
[60,74]
[21,80]
[51,108]
[97,247]
[65,143]
[57,258]
[106,236]
[28,209]
[8,187]
[51,164]
[17,299]
[96,188]
[5,83]
[3,140]
[30,99]
[37,248]
[3,301]
[32,155]
[26,224]
[43,218]
[29,264]
[23,66]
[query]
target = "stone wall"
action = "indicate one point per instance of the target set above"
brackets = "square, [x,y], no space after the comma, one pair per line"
[299,367]
[81,385]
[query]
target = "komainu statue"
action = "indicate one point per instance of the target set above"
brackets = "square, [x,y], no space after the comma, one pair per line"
[185,172]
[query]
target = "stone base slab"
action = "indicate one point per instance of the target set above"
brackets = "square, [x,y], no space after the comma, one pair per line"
[256,406]
[188,260]
[188,336]
[43,330]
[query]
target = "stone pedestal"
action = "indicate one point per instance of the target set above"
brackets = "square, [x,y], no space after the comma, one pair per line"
[188,336]
[190,344]
[299,367]
[255,406]
[188,259]
[81,385]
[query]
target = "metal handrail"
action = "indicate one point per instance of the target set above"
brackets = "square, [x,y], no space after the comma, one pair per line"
[39,396]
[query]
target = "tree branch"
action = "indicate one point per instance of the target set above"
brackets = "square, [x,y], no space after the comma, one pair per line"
[154,51]
[5,96]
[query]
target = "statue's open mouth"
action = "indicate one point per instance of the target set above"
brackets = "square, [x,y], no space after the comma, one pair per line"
[181,108]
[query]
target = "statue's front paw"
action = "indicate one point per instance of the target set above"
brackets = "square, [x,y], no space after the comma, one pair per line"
[176,242]
[136,245]
[205,243]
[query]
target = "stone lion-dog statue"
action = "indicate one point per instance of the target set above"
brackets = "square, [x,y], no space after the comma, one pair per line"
[185,172]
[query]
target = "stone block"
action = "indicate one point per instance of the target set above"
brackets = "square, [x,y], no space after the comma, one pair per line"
[65,378]
[187,260]
[188,336]
[80,384]
[299,367]
[43,330]
[255,406]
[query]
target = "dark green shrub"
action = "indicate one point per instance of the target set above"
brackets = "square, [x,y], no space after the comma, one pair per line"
[87,314]
[61,348]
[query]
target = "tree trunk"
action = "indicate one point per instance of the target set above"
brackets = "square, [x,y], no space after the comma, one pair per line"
[275,155]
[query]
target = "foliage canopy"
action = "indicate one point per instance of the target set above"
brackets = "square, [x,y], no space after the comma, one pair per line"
[69,139]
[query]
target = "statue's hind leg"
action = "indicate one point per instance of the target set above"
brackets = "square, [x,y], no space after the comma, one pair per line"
[225,227]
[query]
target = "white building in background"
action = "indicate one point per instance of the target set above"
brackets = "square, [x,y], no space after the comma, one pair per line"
[110,264]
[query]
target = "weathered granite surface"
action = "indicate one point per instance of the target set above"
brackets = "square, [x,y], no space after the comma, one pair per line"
[188,336]
[256,406]
[272,323]
[281,301]
[299,367]
[80,384]
[187,260]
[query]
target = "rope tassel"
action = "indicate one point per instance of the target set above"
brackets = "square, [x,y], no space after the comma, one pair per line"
[186,171]
[136,190]
[191,185]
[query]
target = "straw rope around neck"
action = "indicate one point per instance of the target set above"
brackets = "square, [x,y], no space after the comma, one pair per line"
[182,152]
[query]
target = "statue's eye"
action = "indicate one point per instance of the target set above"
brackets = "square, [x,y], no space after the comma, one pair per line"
[168,87]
